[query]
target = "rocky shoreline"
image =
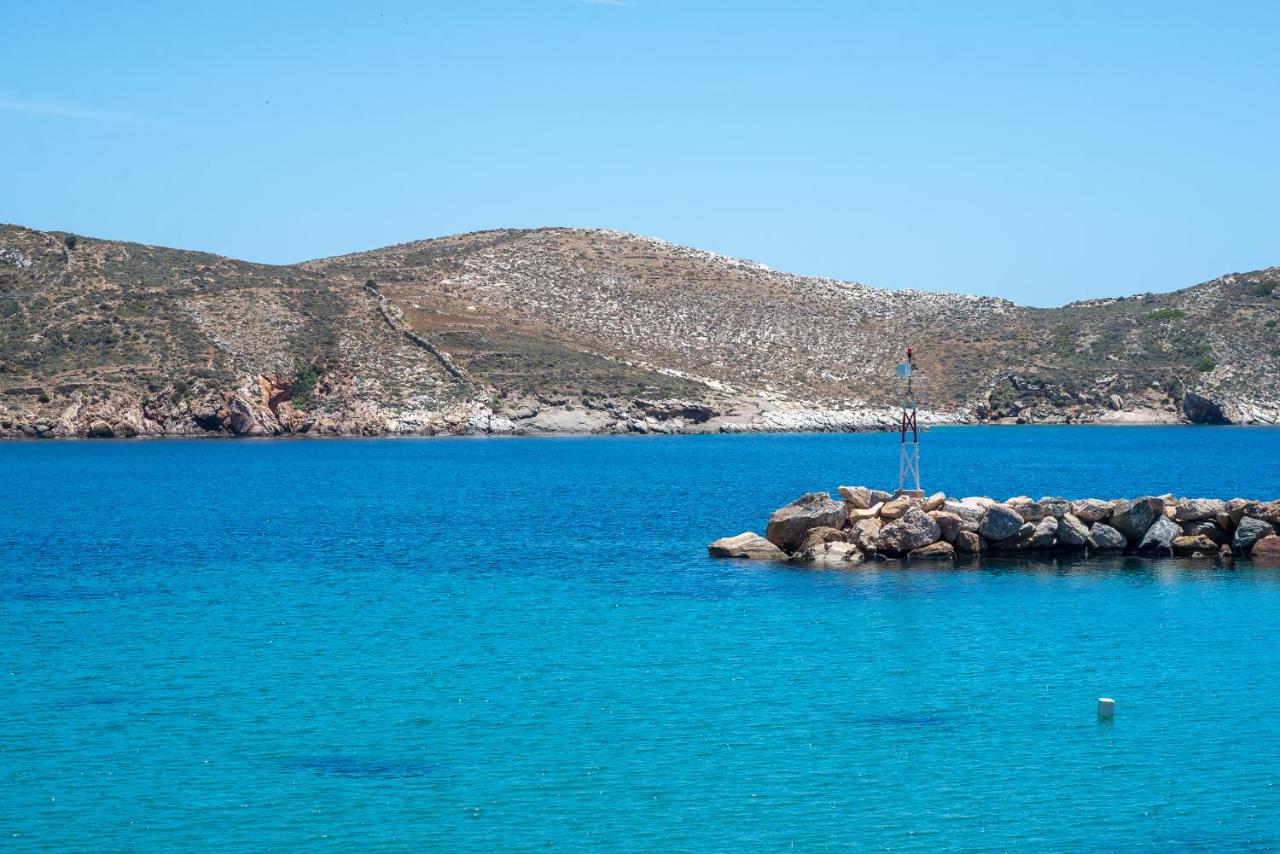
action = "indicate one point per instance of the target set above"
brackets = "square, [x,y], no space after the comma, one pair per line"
[267,407]
[874,525]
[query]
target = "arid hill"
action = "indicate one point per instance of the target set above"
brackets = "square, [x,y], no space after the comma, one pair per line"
[572,330]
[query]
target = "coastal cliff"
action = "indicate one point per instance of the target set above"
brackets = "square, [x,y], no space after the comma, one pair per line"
[870,524]
[560,330]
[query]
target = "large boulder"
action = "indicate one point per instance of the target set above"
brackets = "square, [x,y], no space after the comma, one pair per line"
[1091,510]
[936,551]
[1159,537]
[950,524]
[864,534]
[1133,518]
[1104,538]
[1046,533]
[969,542]
[1072,533]
[1197,509]
[999,523]
[748,545]
[970,514]
[788,525]
[914,530]
[1196,545]
[1248,532]
[858,497]
[1267,549]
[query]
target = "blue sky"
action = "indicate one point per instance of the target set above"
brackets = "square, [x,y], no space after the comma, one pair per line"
[1041,152]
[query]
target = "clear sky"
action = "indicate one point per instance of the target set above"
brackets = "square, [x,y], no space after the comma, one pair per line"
[1040,151]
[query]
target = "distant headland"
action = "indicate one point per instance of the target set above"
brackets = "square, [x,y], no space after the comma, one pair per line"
[871,524]
[560,330]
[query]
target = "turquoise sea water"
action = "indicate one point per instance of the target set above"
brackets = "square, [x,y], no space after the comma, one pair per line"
[470,645]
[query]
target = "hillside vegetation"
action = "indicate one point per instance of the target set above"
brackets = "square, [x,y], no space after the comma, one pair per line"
[552,330]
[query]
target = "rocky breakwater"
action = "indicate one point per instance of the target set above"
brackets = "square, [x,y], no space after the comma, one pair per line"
[871,524]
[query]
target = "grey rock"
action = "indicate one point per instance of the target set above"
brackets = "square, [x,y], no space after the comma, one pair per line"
[950,524]
[864,534]
[1159,538]
[969,542]
[999,523]
[1045,534]
[1133,518]
[913,531]
[1104,538]
[1248,532]
[1020,541]
[879,496]
[1202,410]
[970,514]
[788,525]
[747,545]
[1072,533]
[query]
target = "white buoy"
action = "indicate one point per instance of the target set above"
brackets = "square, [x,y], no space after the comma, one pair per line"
[1106,708]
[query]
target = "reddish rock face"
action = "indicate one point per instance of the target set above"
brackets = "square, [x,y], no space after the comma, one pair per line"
[1091,510]
[950,524]
[968,542]
[1267,550]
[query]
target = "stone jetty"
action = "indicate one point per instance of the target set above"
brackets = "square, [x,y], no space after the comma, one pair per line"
[871,524]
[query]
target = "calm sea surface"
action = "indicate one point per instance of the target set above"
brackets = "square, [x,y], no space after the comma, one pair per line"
[469,645]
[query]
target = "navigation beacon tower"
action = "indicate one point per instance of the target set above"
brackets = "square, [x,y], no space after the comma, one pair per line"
[907,383]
